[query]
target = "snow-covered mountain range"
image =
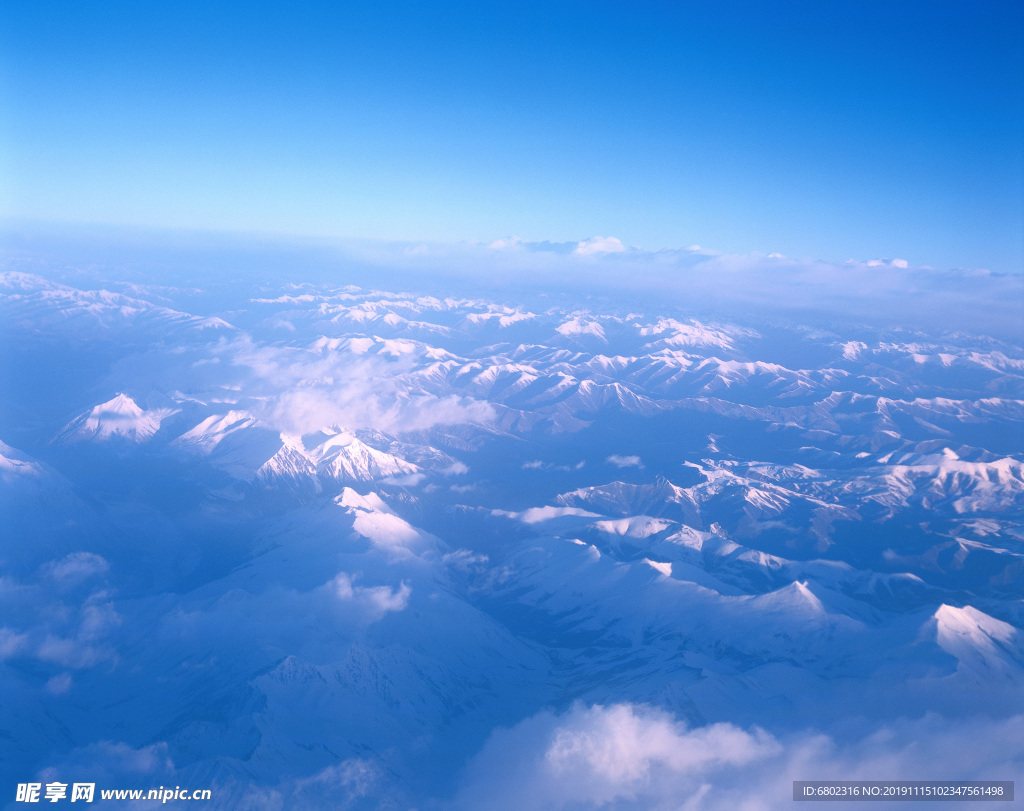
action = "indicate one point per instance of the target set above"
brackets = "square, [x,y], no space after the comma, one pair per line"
[335,547]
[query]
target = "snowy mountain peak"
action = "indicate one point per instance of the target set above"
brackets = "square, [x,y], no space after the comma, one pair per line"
[121,404]
[209,433]
[356,461]
[15,465]
[797,597]
[290,469]
[958,625]
[576,327]
[119,417]
[371,502]
[983,645]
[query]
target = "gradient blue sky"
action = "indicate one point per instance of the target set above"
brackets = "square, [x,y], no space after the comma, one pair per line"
[828,130]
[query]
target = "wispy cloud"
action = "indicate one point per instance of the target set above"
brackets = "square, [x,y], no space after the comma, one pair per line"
[883,292]
[535,515]
[624,461]
[301,392]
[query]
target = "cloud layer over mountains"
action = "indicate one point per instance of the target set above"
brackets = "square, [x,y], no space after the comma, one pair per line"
[443,543]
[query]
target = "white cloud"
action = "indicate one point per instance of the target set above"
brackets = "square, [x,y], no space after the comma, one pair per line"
[624,461]
[902,264]
[60,684]
[537,464]
[346,782]
[380,600]
[596,245]
[301,392]
[506,244]
[11,643]
[411,480]
[278,322]
[622,744]
[76,566]
[743,285]
[97,619]
[599,757]
[109,761]
[70,652]
[477,570]
[535,515]
[628,756]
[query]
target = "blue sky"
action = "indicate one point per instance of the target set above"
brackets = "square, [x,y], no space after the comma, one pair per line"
[826,130]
